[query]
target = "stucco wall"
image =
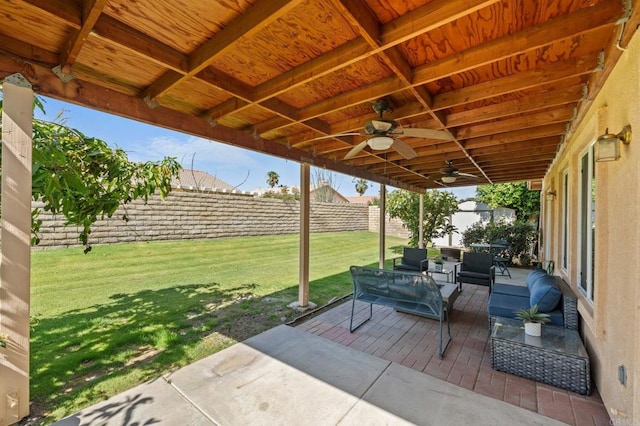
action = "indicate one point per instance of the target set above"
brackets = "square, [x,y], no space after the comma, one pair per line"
[611,323]
[188,215]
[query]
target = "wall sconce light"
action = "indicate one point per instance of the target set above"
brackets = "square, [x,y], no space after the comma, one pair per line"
[608,145]
[550,195]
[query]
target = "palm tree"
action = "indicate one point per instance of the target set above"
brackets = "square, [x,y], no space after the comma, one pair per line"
[272,178]
[361,186]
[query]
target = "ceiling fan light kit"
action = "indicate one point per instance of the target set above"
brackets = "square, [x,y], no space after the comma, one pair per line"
[451,174]
[380,143]
[384,134]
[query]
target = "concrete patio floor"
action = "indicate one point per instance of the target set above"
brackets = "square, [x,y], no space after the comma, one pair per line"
[387,372]
[286,376]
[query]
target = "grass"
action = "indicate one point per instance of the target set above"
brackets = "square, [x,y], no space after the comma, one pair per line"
[124,314]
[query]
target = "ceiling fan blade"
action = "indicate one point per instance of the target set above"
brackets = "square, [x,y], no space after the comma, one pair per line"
[426,133]
[403,148]
[467,175]
[338,135]
[355,150]
[381,126]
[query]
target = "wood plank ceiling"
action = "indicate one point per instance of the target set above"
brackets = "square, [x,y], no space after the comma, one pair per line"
[509,80]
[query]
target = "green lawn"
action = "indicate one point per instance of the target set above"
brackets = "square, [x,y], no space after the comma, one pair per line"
[123,314]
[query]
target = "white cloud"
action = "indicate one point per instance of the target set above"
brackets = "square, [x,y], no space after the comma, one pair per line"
[204,154]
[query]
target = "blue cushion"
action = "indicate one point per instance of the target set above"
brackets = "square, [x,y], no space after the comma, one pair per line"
[505,305]
[533,276]
[545,293]
[514,290]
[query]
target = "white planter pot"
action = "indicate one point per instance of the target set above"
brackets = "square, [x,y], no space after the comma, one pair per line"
[533,328]
[438,267]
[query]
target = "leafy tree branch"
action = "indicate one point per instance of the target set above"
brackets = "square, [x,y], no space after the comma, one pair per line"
[83,179]
[438,207]
[516,196]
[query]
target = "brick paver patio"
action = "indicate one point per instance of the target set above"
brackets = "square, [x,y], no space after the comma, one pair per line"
[412,341]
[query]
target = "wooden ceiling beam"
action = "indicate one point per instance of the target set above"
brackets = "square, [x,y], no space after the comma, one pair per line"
[437,13]
[115,32]
[432,162]
[62,11]
[531,133]
[552,141]
[558,115]
[431,16]
[512,45]
[91,11]
[555,72]
[247,24]
[515,156]
[519,162]
[518,175]
[545,74]
[504,109]
[24,50]
[563,27]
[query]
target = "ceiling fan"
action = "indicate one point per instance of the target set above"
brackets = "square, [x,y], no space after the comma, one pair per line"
[384,134]
[450,173]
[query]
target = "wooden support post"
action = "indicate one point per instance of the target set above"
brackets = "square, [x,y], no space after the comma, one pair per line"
[421,222]
[303,286]
[383,209]
[17,125]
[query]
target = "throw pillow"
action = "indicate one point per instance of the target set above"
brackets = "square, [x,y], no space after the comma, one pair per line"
[545,294]
[534,276]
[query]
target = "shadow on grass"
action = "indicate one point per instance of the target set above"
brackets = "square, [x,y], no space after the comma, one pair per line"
[85,356]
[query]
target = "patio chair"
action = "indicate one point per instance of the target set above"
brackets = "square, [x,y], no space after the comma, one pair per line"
[476,268]
[500,260]
[413,259]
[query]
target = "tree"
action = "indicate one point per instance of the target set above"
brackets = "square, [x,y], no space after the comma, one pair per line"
[324,186]
[438,207]
[361,186]
[82,179]
[272,178]
[516,196]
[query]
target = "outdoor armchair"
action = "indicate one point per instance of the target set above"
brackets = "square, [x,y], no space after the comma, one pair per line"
[476,268]
[413,259]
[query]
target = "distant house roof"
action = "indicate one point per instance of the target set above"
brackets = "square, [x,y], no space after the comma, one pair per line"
[198,180]
[324,192]
[362,199]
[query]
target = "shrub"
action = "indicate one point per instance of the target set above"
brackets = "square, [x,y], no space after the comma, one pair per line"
[520,236]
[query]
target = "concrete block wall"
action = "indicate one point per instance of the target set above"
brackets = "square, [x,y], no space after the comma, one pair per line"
[192,215]
[393,226]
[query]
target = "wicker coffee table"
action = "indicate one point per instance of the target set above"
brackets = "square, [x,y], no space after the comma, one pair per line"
[557,358]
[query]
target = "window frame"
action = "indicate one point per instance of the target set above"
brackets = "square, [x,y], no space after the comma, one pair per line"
[586,216]
[564,260]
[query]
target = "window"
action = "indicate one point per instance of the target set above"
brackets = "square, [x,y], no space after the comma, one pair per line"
[565,220]
[587,223]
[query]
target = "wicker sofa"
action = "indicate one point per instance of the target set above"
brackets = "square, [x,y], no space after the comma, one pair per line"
[552,295]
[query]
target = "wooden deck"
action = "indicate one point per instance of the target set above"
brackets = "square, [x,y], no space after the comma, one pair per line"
[411,341]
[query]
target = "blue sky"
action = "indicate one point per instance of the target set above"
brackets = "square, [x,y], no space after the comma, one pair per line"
[143,142]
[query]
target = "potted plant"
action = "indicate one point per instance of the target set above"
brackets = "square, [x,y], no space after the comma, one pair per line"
[533,320]
[439,263]
[4,338]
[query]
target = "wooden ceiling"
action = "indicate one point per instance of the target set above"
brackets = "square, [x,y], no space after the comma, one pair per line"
[510,79]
